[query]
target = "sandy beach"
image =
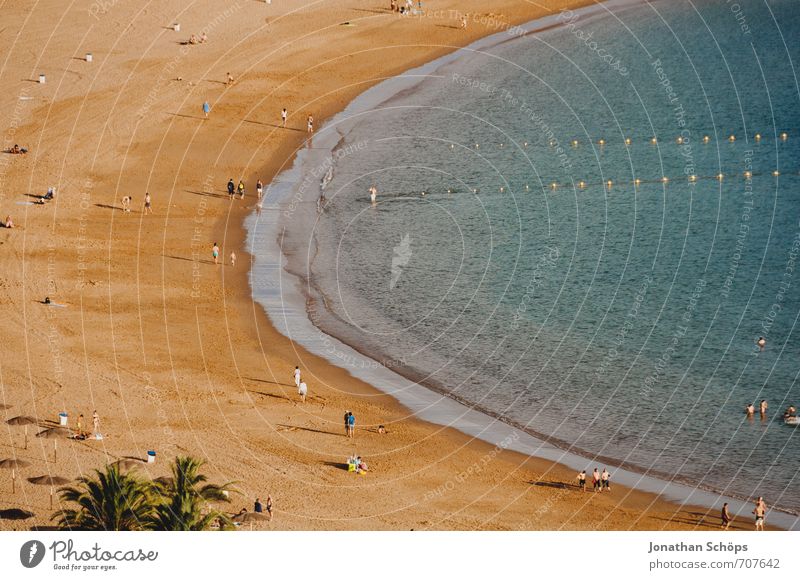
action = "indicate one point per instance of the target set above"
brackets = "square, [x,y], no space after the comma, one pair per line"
[168,347]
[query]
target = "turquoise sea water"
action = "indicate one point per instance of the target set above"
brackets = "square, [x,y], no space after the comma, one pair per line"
[618,320]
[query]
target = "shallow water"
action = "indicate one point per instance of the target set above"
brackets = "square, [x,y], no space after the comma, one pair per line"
[617,320]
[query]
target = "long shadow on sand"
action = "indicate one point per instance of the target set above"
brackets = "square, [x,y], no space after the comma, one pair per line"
[191,260]
[269,382]
[553,484]
[336,464]
[207,193]
[269,395]
[273,125]
[282,427]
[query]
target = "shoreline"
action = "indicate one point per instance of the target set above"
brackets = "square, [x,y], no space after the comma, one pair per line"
[169,347]
[409,388]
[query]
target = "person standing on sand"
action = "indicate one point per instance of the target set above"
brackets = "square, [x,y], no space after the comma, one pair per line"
[347,423]
[206,109]
[231,188]
[284,114]
[760,512]
[148,204]
[310,124]
[215,253]
[351,426]
[79,426]
[582,480]
[297,377]
[595,479]
[605,480]
[96,423]
[233,259]
[241,189]
[373,194]
[302,390]
[259,189]
[725,516]
[257,507]
[269,506]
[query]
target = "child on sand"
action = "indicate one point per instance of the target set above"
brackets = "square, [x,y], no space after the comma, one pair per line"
[310,124]
[148,204]
[215,252]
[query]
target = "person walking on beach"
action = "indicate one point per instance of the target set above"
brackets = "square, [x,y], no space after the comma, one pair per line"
[148,204]
[347,423]
[595,479]
[206,109]
[605,480]
[297,377]
[215,253]
[126,204]
[230,79]
[241,189]
[725,517]
[95,423]
[259,189]
[310,124]
[302,390]
[760,512]
[284,114]
[233,259]
[373,194]
[351,425]
[269,507]
[582,480]
[231,188]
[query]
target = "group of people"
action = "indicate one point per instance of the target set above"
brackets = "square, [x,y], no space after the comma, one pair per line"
[349,424]
[750,410]
[194,39]
[82,435]
[406,8]
[600,481]
[355,463]
[759,511]
[17,150]
[147,208]
[260,508]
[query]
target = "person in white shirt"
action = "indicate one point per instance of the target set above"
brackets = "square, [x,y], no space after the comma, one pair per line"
[297,377]
[284,114]
[302,390]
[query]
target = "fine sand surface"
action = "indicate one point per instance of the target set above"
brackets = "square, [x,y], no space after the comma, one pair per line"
[169,348]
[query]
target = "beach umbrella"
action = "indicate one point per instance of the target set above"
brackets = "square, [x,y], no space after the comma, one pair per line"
[50,480]
[127,464]
[16,514]
[23,420]
[13,465]
[55,434]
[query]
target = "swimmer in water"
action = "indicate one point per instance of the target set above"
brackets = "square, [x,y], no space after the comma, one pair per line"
[790,412]
[763,407]
[373,194]
[761,342]
[750,409]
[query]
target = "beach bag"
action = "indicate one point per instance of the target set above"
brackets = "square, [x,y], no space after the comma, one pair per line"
[351,467]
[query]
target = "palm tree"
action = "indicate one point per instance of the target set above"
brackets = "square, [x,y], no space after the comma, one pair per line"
[185,497]
[111,501]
